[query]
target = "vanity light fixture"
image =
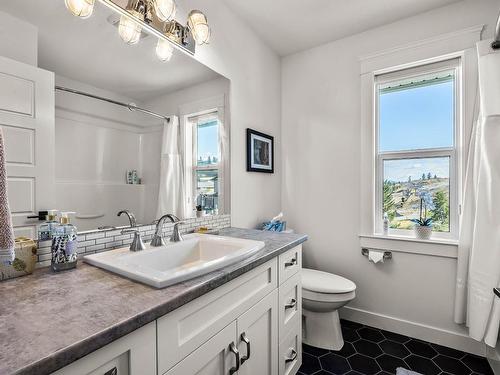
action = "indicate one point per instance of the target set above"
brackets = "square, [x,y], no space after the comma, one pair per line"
[80,8]
[156,17]
[198,25]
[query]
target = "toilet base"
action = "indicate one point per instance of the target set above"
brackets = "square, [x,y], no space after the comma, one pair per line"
[322,330]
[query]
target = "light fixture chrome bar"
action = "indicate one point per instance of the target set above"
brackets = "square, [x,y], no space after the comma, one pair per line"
[147,27]
[130,106]
[496,42]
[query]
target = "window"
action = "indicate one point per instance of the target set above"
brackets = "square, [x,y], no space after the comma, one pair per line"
[417,117]
[205,185]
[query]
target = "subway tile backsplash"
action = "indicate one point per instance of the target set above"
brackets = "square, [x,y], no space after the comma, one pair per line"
[91,242]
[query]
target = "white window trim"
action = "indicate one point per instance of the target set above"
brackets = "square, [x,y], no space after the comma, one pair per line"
[459,44]
[213,104]
[451,152]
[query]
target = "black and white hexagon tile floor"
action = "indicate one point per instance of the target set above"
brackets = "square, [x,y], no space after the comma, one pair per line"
[370,351]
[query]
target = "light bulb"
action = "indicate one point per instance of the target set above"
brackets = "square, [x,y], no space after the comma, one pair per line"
[164,50]
[198,24]
[129,29]
[80,8]
[165,9]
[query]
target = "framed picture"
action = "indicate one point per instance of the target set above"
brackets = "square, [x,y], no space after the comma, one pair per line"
[260,152]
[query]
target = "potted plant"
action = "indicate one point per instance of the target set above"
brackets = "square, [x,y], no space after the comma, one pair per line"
[423,225]
[199,211]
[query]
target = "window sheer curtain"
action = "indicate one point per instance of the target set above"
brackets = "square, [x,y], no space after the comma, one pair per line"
[479,247]
[171,189]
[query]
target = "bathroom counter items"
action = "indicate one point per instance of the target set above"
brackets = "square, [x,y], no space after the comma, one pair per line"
[49,320]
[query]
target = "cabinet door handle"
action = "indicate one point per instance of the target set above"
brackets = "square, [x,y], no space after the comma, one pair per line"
[292,357]
[245,339]
[291,263]
[234,350]
[113,371]
[291,304]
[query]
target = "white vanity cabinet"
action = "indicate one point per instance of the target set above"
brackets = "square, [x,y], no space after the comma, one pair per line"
[250,325]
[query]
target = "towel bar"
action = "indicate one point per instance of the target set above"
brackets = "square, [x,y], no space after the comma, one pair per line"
[387,254]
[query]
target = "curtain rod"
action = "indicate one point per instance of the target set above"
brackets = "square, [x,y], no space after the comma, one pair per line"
[130,106]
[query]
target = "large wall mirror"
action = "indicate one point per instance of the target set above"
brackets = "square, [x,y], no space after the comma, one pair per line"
[108,157]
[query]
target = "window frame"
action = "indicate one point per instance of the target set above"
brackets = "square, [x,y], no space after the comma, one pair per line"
[452,152]
[191,158]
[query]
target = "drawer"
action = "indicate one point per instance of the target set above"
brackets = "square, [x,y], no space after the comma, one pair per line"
[289,263]
[290,352]
[290,305]
[185,329]
[134,353]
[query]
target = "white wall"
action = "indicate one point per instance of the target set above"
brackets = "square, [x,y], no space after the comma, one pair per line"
[321,136]
[24,47]
[254,71]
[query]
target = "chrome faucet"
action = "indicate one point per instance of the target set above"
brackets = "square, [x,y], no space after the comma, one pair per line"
[157,240]
[137,244]
[131,217]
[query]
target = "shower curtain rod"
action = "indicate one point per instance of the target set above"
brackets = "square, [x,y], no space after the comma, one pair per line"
[130,106]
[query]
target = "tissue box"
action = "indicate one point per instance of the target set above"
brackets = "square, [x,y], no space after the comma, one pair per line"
[24,262]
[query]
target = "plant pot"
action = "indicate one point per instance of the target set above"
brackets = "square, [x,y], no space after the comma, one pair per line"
[423,232]
[199,213]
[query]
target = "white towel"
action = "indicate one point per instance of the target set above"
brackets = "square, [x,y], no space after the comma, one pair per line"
[6,231]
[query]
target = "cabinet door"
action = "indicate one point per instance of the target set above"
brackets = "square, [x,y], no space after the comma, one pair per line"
[133,354]
[215,357]
[258,338]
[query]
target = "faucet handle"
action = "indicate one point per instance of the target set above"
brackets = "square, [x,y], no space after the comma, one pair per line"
[137,244]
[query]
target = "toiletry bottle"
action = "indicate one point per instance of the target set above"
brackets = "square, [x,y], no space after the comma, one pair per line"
[386,224]
[46,230]
[64,244]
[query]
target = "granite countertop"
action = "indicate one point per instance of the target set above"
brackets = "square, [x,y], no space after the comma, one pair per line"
[48,320]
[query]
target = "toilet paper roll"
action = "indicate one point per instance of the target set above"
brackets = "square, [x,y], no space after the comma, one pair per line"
[376,256]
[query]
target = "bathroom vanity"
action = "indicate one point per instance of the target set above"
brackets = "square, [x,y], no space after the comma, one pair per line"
[243,319]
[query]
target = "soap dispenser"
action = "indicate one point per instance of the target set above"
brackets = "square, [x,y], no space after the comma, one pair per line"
[47,229]
[64,244]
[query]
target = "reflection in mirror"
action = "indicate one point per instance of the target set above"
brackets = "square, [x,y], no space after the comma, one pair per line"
[110,158]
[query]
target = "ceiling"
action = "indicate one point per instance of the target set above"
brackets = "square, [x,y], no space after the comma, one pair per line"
[92,52]
[289,26]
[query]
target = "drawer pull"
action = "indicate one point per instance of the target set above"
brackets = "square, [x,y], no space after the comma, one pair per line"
[234,350]
[291,263]
[113,371]
[292,357]
[291,304]
[245,339]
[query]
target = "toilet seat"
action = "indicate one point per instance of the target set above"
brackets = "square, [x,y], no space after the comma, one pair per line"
[320,282]
[328,297]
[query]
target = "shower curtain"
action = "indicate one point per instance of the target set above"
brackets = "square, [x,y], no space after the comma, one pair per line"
[479,247]
[170,195]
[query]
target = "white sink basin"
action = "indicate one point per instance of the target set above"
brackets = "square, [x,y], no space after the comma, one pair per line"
[196,255]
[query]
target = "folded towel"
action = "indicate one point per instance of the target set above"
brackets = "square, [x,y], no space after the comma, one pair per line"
[6,231]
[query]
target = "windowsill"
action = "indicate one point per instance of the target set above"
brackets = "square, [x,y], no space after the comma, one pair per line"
[446,248]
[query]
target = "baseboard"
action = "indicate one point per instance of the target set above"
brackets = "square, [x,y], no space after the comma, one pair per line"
[420,331]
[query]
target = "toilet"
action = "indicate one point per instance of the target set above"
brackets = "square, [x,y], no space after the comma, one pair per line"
[323,294]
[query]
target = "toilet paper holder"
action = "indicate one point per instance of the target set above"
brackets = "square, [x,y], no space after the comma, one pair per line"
[387,254]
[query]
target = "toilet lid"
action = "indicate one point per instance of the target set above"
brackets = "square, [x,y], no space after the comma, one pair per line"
[324,282]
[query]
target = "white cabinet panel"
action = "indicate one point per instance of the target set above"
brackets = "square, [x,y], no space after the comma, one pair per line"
[16,94]
[290,353]
[212,358]
[290,304]
[19,145]
[185,329]
[133,354]
[258,338]
[289,263]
